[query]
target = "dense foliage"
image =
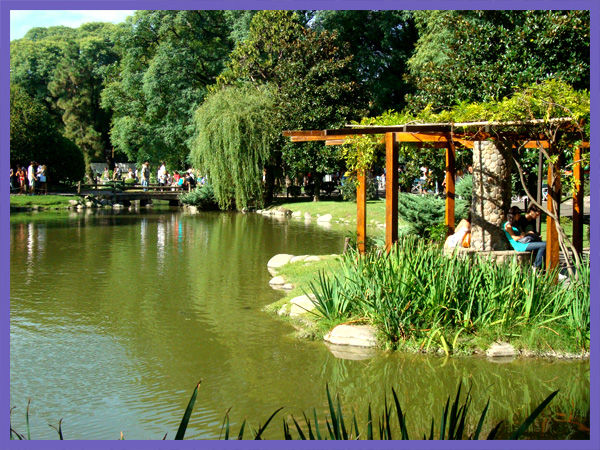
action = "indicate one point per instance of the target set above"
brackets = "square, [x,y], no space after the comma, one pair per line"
[482,56]
[313,82]
[202,197]
[34,136]
[234,142]
[381,43]
[168,60]
[130,91]
[65,70]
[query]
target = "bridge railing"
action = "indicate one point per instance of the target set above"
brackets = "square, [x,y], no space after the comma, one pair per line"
[120,186]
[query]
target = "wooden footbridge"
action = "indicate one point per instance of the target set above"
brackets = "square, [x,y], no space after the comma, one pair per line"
[121,192]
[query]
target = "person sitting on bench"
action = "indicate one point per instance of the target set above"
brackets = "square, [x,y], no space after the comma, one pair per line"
[527,221]
[523,241]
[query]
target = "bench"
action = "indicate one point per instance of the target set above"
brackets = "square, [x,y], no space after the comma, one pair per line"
[496,255]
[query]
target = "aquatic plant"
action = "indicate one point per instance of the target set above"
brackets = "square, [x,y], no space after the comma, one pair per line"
[452,423]
[418,292]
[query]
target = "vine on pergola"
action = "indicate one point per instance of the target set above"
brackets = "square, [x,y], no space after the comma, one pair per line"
[551,111]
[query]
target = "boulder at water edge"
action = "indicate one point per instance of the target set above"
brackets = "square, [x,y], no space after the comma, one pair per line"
[503,349]
[354,335]
[312,259]
[277,281]
[325,218]
[279,260]
[298,258]
[301,305]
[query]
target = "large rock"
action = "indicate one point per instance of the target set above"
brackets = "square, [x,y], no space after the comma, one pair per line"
[325,218]
[301,305]
[297,214]
[307,216]
[277,281]
[498,350]
[354,335]
[298,258]
[73,202]
[312,259]
[279,260]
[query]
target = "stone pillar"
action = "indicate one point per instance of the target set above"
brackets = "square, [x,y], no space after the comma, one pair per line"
[491,194]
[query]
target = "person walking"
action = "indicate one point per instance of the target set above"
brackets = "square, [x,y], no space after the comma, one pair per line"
[117,173]
[145,175]
[43,180]
[31,177]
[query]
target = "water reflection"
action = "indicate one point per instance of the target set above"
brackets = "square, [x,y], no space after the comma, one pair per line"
[129,310]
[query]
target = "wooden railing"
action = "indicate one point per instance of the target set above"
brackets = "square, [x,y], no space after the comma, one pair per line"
[121,186]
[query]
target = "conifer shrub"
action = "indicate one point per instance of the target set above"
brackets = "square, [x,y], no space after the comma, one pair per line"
[203,197]
[426,213]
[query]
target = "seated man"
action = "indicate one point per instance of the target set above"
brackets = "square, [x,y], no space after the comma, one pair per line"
[527,222]
[517,238]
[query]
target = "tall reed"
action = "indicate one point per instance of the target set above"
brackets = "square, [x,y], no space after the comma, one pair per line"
[416,290]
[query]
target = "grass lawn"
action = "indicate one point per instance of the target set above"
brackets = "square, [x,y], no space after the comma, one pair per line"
[338,209]
[376,212]
[40,200]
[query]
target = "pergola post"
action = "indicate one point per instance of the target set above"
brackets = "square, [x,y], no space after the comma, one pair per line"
[449,218]
[391,190]
[361,211]
[578,202]
[554,194]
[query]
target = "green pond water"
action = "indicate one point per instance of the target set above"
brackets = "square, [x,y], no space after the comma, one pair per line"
[116,316]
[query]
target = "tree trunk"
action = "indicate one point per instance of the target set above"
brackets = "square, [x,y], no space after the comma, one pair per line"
[317,183]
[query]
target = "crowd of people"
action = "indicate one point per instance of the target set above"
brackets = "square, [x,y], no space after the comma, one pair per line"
[30,181]
[175,179]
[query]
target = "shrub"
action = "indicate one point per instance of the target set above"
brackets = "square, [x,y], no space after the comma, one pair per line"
[348,189]
[464,188]
[424,213]
[203,197]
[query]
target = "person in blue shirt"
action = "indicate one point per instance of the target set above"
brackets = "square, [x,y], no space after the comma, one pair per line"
[515,237]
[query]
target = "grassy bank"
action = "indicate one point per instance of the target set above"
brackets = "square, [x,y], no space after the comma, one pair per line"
[44,201]
[421,300]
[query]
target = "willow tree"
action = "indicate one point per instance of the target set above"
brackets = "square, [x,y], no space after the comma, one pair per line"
[233,143]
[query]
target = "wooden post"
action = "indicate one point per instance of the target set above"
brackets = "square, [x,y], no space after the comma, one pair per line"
[538,221]
[578,202]
[79,187]
[391,190]
[361,212]
[449,218]
[552,248]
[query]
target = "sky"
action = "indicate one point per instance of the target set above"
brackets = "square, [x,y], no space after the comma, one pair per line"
[22,21]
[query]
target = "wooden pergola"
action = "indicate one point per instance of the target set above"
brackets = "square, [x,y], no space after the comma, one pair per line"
[448,136]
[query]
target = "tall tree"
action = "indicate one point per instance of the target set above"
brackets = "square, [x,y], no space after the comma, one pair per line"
[234,142]
[313,81]
[77,85]
[168,60]
[34,136]
[64,69]
[381,42]
[484,55]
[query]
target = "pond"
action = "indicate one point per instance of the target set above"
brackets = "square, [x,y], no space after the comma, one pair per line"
[116,316]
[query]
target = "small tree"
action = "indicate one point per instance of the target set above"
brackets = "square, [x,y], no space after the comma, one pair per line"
[233,143]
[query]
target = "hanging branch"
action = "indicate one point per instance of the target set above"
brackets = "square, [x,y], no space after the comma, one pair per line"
[563,240]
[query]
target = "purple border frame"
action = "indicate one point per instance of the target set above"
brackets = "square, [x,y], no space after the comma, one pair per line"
[6,6]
